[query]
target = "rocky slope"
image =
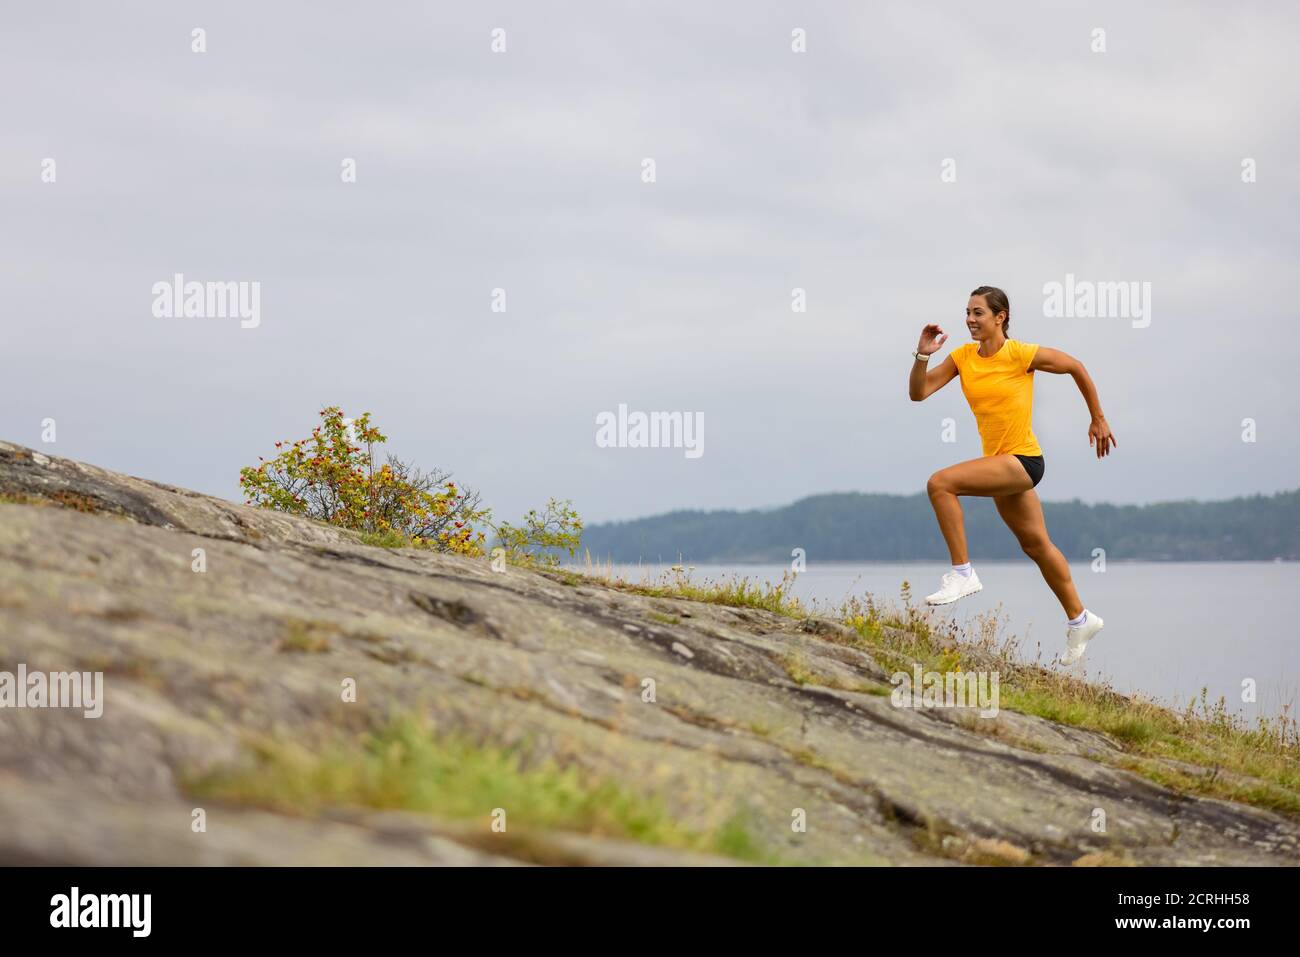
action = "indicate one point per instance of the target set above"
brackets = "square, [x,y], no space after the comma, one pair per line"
[198,664]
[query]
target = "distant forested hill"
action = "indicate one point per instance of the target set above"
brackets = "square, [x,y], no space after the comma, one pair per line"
[854,526]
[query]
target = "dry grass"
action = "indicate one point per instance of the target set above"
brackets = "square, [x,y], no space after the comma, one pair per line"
[1231,758]
[1254,763]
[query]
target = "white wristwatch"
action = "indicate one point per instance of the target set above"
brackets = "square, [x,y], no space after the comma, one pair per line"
[922,358]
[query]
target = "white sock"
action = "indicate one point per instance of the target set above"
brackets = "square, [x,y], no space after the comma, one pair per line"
[1076,622]
[963,570]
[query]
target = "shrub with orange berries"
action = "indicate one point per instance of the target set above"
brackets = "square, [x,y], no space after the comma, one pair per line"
[332,476]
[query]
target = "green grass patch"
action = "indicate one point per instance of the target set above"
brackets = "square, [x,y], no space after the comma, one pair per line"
[1151,734]
[1255,764]
[797,670]
[735,592]
[406,766]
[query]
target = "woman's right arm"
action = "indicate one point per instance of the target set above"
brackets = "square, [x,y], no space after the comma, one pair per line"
[924,382]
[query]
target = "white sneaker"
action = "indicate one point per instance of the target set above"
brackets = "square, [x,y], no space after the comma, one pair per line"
[1078,636]
[953,586]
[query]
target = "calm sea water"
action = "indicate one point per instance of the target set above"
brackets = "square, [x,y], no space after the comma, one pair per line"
[1171,627]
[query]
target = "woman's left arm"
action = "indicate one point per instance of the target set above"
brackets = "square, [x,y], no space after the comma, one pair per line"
[1053,360]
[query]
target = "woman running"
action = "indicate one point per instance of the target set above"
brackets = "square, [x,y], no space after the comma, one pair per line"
[997,378]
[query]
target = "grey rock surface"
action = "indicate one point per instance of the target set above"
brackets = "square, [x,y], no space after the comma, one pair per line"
[195,666]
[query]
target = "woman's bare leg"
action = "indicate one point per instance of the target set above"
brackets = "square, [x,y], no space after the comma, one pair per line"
[1023,513]
[989,477]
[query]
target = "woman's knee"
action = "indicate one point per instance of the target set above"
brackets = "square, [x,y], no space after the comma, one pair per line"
[938,484]
[1036,546]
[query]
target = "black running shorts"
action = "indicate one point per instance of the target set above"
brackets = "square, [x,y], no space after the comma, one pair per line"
[1034,466]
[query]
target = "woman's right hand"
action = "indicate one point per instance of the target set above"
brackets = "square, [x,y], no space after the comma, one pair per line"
[932,340]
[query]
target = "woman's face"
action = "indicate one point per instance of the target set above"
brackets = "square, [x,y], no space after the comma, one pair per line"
[980,319]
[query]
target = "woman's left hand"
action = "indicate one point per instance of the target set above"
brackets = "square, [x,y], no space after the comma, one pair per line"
[1100,436]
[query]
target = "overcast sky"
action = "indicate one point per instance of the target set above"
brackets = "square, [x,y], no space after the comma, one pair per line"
[523,170]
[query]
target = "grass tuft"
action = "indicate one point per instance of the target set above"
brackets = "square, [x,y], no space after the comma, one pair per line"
[735,592]
[1257,763]
[1261,760]
[406,766]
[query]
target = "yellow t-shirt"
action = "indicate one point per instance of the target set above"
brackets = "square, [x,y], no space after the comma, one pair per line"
[1000,390]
